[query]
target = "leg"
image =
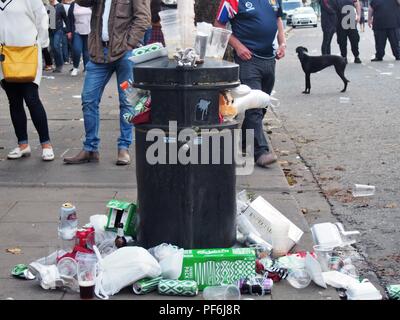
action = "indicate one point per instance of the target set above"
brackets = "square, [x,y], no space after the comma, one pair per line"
[36,109]
[354,38]
[17,111]
[326,42]
[76,49]
[340,71]
[65,49]
[394,42]
[85,50]
[47,57]
[57,48]
[97,76]
[124,70]
[342,41]
[251,74]
[380,43]
[308,84]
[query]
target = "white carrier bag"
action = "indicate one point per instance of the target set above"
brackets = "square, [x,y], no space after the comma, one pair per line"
[122,268]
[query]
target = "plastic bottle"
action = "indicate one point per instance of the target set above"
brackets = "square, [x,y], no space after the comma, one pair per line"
[120,240]
[131,93]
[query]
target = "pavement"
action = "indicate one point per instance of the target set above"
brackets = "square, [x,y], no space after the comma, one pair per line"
[31,192]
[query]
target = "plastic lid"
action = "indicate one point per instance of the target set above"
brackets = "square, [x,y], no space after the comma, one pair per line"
[124,85]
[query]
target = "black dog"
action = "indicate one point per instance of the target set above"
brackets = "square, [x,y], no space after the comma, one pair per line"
[315,64]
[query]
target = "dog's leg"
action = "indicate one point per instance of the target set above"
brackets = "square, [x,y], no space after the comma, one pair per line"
[340,71]
[308,84]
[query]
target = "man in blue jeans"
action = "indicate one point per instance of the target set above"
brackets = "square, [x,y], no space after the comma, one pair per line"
[117,27]
[255,26]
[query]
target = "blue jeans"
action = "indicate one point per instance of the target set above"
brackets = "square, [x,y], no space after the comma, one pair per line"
[97,77]
[80,47]
[65,47]
[56,45]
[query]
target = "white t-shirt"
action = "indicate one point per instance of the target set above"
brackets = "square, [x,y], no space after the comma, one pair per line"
[82,19]
[106,15]
[22,21]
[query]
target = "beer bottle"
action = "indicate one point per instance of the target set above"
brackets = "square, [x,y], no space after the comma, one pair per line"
[120,240]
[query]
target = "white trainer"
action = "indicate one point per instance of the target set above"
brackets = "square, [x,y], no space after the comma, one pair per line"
[18,153]
[47,154]
[74,72]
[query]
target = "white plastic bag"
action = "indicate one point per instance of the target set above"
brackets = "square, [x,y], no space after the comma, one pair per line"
[122,268]
[314,269]
[170,258]
[254,100]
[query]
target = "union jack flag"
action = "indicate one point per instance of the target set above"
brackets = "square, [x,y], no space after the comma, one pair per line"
[227,10]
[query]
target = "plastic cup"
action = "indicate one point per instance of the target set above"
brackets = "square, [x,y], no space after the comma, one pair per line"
[219,43]
[86,279]
[224,292]
[299,278]
[168,15]
[324,256]
[280,238]
[200,45]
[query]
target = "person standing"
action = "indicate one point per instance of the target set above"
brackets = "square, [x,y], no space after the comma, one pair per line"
[383,18]
[79,21]
[154,34]
[347,26]
[117,28]
[362,19]
[30,24]
[57,35]
[328,24]
[255,26]
[66,44]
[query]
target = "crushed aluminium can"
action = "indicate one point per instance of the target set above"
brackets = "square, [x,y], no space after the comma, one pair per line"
[68,222]
[393,291]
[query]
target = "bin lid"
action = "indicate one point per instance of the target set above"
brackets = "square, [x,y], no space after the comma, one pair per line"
[162,72]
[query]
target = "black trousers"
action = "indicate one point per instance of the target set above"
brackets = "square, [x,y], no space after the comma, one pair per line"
[353,36]
[17,93]
[381,36]
[326,41]
[47,56]
[258,74]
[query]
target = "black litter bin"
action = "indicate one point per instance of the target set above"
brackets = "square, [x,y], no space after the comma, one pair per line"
[190,203]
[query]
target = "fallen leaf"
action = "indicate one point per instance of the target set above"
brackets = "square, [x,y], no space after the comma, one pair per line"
[391,205]
[304,210]
[339,168]
[14,250]
[284,153]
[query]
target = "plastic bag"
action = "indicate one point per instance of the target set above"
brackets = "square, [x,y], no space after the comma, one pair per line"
[170,258]
[314,269]
[122,268]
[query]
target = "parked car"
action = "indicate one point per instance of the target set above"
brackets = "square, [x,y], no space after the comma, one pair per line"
[305,16]
[288,7]
[169,4]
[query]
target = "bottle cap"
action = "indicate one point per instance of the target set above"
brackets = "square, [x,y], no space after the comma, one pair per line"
[124,85]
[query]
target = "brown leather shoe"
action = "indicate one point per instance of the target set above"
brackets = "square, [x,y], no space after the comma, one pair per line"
[123,158]
[266,159]
[83,157]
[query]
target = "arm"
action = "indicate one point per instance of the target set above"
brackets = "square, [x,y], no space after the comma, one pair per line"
[65,18]
[358,10]
[71,20]
[241,50]
[281,40]
[141,21]
[85,3]
[41,22]
[327,7]
[370,16]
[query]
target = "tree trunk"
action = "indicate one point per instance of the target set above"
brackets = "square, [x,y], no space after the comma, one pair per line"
[206,10]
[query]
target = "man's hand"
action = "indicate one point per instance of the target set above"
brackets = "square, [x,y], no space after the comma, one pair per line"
[370,23]
[69,35]
[280,53]
[243,53]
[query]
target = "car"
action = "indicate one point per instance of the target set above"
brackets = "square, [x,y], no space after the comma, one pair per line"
[288,7]
[169,4]
[305,16]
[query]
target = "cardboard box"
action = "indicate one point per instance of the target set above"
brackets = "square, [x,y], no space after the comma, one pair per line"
[122,212]
[213,267]
[263,216]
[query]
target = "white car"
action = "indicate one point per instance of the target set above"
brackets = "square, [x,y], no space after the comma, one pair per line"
[304,16]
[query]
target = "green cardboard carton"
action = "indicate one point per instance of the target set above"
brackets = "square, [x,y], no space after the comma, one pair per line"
[212,267]
[121,211]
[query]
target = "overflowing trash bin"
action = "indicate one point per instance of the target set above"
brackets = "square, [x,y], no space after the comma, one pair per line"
[192,204]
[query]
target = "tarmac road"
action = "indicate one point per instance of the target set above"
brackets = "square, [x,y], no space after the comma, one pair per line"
[348,138]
